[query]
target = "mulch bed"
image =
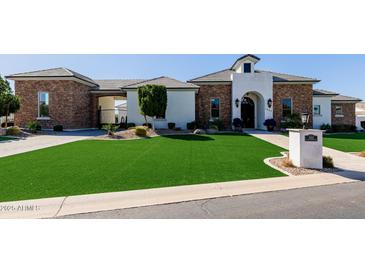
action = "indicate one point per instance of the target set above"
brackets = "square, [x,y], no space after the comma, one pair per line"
[130,134]
[297,171]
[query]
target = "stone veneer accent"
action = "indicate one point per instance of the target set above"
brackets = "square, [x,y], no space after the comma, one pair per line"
[349,115]
[302,99]
[202,103]
[69,103]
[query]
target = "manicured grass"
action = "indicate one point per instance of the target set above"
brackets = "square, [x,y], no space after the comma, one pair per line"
[351,142]
[103,166]
[4,138]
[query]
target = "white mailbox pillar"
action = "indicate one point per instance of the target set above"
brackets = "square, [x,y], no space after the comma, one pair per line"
[306,148]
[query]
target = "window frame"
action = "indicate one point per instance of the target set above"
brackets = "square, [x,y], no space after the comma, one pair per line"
[339,114]
[320,111]
[39,105]
[282,106]
[219,107]
[249,66]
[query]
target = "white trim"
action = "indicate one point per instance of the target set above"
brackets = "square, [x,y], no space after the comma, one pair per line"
[43,118]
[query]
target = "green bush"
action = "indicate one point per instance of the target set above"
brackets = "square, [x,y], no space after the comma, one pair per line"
[218,123]
[343,128]
[58,128]
[110,128]
[13,131]
[131,125]
[171,125]
[326,127]
[141,131]
[294,120]
[191,125]
[33,126]
[328,162]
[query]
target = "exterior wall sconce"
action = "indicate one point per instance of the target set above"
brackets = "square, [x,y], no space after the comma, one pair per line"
[269,103]
[237,101]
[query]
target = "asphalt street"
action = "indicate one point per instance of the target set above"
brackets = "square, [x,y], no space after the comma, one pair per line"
[342,201]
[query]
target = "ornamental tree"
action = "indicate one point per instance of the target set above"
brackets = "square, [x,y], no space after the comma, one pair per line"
[9,102]
[152,100]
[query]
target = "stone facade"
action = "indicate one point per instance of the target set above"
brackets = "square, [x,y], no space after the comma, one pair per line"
[302,99]
[69,103]
[202,103]
[348,117]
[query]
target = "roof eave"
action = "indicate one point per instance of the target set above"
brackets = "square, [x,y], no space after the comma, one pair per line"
[40,78]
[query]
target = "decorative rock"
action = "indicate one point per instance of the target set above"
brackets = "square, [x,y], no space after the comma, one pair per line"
[2,131]
[199,131]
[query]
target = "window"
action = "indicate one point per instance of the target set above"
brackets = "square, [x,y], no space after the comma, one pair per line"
[287,107]
[247,68]
[43,104]
[338,110]
[214,107]
[317,109]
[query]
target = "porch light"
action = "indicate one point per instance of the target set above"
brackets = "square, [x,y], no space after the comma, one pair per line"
[269,103]
[305,119]
[237,102]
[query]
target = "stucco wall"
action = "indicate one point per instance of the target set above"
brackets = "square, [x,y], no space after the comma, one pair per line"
[261,84]
[69,103]
[325,116]
[180,109]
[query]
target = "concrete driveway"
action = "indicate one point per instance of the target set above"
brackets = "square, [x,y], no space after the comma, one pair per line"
[35,142]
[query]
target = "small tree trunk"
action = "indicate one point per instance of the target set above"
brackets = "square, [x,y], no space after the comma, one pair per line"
[145,119]
[153,123]
[6,116]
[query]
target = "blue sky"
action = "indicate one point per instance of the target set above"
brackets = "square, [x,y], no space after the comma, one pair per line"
[342,73]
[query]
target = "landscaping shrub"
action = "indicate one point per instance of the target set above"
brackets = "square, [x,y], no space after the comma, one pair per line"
[270,124]
[218,123]
[326,127]
[149,125]
[33,126]
[171,125]
[141,131]
[362,124]
[287,162]
[343,128]
[213,127]
[191,125]
[13,131]
[328,162]
[58,128]
[292,121]
[237,123]
[10,124]
[129,125]
[110,128]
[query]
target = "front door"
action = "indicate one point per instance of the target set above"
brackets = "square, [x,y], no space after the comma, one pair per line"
[248,113]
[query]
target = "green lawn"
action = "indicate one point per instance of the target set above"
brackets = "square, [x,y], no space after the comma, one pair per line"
[103,166]
[351,142]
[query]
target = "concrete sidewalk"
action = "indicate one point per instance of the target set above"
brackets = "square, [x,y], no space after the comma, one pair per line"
[61,206]
[352,164]
[17,146]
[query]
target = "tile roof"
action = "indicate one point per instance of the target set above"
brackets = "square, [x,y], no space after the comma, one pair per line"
[346,98]
[165,81]
[324,92]
[53,72]
[116,84]
[225,76]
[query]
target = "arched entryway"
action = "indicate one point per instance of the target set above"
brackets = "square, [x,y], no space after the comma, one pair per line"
[248,112]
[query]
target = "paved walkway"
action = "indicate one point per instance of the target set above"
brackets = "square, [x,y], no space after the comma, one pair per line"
[352,165]
[61,206]
[17,146]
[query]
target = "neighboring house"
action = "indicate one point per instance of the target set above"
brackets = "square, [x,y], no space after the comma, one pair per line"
[62,96]
[360,116]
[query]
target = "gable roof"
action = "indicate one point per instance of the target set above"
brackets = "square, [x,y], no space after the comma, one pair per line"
[345,98]
[322,92]
[53,72]
[116,84]
[246,56]
[164,81]
[225,76]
